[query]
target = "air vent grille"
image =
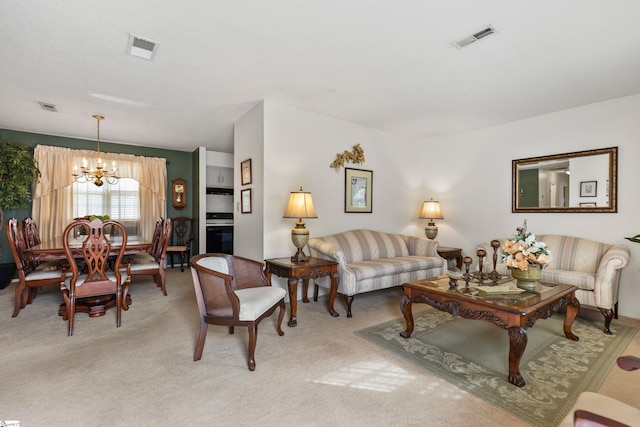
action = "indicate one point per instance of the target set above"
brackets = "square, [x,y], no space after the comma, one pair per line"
[141,47]
[465,41]
[48,107]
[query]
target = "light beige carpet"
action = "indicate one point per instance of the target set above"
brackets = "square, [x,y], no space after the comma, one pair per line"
[473,355]
[143,373]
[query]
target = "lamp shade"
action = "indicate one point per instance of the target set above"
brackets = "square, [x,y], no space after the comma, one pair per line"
[431,210]
[300,205]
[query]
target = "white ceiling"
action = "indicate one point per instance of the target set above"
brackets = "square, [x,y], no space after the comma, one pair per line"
[386,64]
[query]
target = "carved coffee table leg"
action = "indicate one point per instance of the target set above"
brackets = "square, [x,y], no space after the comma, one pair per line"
[517,344]
[569,317]
[405,307]
[333,291]
[293,300]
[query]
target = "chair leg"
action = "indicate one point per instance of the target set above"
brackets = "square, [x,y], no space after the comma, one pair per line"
[200,345]
[161,281]
[280,317]
[18,305]
[182,256]
[71,311]
[253,335]
[118,307]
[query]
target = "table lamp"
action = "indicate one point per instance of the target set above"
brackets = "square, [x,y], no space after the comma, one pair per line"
[300,206]
[431,210]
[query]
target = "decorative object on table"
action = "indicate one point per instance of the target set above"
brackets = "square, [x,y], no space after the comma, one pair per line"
[454,275]
[100,173]
[526,257]
[588,188]
[495,244]
[179,193]
[300,206]
[356,157]
[245,201]
[431,210]
[245,172]
[358,191]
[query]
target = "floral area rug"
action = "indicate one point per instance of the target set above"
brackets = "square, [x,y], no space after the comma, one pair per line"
[473,355]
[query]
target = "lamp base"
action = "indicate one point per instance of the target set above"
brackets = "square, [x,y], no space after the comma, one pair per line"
[431,230]
[299,256]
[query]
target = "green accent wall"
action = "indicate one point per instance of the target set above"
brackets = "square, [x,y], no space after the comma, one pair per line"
[180,164]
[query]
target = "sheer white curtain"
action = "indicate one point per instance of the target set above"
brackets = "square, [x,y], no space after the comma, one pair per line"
[53,193]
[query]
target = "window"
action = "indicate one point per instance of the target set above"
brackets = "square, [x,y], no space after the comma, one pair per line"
[120,201]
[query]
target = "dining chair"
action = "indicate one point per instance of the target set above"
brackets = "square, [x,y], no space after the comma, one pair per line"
[234,291]
[29,279]
[153,263]
[98,281]
[181,240]
[32,238]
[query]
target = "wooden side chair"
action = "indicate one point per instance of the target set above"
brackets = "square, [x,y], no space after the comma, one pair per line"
[181,240]
[29,279]
[234,291]
[31,234]
[153,264]
[98,281]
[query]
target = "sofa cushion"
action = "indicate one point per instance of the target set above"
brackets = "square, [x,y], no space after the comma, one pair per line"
[574,253]
[579,279]
[365,245]
[390,266]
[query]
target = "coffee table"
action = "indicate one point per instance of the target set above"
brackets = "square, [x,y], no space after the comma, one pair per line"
[514,312]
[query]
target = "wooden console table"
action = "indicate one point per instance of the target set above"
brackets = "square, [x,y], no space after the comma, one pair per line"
[294,271]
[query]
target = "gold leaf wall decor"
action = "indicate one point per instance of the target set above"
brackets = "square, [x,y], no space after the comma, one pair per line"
[356,156]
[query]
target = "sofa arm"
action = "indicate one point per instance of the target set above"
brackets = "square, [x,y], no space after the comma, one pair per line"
[421,246]
[608,276]
[321,249]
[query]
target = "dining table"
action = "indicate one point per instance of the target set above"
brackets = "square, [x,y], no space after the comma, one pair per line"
[54,250]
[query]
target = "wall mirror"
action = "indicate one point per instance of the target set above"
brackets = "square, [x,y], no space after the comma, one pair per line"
[583,181]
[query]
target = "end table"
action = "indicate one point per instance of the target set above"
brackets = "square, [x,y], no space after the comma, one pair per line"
[451,254]
[311,269]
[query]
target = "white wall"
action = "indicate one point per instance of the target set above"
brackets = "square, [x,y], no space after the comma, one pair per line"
[477,205]
[248,230]
[470,174]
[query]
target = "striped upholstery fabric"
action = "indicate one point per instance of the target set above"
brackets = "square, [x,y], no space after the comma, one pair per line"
[371,260]
[593,267]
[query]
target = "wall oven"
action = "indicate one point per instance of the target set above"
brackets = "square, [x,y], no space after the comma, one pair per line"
[220,232]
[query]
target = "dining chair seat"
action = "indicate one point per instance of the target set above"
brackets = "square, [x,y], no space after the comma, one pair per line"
[141,258]
[42,275]
[83,277]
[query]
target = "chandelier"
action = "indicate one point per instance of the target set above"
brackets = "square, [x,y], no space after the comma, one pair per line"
[98,174]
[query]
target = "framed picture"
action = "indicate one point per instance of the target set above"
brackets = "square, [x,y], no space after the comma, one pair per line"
[358,190]
[245,172]
[245,200]
[588,205]
[588,188]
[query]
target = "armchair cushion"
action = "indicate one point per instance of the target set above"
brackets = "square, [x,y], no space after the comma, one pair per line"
[254,302]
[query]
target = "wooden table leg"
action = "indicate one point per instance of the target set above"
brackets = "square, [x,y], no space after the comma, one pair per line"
[333,291]
[569,317]
[305,289]
[293,300]
[517,343]
[405,307]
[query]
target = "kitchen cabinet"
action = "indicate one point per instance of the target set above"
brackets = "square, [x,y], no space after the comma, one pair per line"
[219,177]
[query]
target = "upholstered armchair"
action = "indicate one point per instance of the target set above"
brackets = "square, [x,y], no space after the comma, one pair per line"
[593,267]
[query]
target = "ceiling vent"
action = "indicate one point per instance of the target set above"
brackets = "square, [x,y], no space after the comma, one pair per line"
[48,107]
[474,37]
[142,48]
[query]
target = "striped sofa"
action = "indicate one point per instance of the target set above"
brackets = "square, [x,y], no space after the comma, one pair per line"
[371,260]
[593,267]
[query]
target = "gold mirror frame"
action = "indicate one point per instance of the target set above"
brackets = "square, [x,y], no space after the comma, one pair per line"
[582,186]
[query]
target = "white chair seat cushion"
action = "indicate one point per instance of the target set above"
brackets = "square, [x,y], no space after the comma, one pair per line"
[49,266]
[605,406]
[139,258]
[144,265]
[215,263]
[176,248]
[43,274]
[255,301]
[81,278]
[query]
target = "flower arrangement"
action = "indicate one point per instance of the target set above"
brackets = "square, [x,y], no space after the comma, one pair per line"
[523,250]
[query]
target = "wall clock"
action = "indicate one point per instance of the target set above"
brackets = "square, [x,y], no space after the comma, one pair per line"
[179,190]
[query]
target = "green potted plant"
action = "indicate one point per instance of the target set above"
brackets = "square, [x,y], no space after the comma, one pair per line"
[18,171]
